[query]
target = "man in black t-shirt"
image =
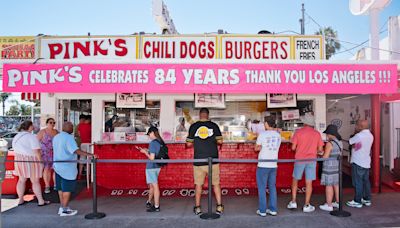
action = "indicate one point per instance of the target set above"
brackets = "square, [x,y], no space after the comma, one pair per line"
[205,136]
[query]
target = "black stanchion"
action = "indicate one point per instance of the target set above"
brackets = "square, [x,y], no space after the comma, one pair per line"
[95,214]
[340,212]
[209,215]
[380,172]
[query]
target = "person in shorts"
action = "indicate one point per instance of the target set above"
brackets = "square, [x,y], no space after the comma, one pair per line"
[153,169]
[306,142]
[204,136]
[66,149]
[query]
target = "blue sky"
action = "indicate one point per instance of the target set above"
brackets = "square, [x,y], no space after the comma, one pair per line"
[122,17]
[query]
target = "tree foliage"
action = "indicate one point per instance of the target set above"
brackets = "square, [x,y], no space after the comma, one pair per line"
[331,42]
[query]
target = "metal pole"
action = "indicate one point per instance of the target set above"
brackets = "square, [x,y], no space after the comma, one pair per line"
[382,147]
[340,212]
[210,215]
[380,173]
[95,214]
[398,142]
[302,20]
[1,198]
[32,114]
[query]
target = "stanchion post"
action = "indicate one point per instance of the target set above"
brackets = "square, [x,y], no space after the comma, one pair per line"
[340,212]
[380,173]
[210,215]
[95,214]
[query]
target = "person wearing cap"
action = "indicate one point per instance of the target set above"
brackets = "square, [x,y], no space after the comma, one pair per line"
[360,164]
[153,169]
[205,136]
[330,168]
[306,143]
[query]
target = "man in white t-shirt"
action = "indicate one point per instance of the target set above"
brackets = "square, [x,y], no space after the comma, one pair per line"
[268,143]
[360,164]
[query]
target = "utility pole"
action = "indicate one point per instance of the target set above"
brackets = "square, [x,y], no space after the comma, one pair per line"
[302,27]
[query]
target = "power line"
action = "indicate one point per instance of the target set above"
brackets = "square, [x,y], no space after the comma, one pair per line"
[349,49]
[286,31]
[357,45]
[380,49]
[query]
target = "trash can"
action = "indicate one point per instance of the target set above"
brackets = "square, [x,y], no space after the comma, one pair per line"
[3,156]
[7,179]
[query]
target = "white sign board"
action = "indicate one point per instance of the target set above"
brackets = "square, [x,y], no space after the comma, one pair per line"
[178,47]
[121,48]
[255,47]
[308,48]
[291,115]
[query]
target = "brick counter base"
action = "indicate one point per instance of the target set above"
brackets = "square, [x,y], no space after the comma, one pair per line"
[234,177]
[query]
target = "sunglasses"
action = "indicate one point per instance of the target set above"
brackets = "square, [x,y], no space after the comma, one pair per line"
[52,122]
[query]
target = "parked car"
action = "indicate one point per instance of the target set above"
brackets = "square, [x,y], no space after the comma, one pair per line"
[9,138]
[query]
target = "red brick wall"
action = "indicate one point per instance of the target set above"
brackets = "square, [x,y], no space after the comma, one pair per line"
[176,176]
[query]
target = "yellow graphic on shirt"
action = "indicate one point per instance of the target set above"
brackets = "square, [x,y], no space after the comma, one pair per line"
[203,132]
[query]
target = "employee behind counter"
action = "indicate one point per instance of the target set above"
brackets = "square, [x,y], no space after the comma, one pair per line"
[115,122]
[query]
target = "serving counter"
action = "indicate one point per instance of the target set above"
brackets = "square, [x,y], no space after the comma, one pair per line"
[177,179]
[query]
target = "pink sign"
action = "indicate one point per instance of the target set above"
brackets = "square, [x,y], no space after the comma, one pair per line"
[201,78]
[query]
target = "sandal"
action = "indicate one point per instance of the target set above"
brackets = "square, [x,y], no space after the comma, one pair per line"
[197,210]
[220,209]
[25,202]
[47,190]
[44,204]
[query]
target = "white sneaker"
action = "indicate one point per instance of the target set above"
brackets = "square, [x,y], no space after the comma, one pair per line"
[261,214]
[69,212]
[273,213]
[60,210]
[326,207]
[335,205]
[366,202]
[308,208]
[354,204]
[292,205]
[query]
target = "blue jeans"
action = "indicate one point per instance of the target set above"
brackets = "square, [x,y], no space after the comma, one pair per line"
[264,176]
[361,184]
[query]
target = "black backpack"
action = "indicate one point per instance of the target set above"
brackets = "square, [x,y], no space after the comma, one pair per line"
[162,154]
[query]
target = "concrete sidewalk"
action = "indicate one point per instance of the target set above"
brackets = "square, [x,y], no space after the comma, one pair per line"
[177,212]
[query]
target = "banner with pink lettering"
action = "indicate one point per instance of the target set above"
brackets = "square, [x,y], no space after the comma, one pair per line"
[201,78]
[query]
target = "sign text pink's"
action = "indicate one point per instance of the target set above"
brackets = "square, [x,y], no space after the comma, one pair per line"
[201,78]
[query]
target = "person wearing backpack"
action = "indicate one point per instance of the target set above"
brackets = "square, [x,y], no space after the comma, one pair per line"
[153,169]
